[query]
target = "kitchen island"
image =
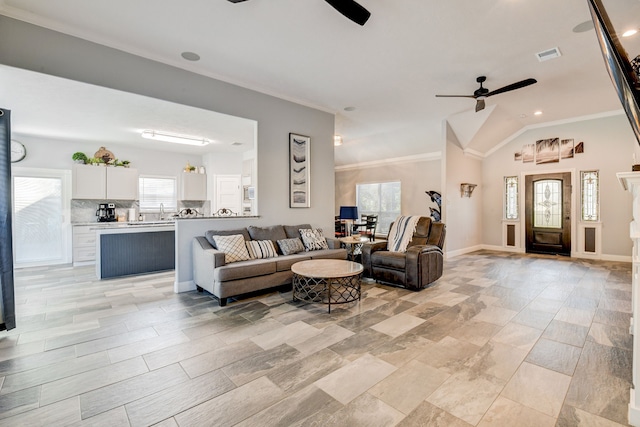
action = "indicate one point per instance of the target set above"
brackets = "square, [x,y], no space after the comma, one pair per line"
[135,248]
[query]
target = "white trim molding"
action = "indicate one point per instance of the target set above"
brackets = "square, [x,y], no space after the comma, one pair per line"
[437,155]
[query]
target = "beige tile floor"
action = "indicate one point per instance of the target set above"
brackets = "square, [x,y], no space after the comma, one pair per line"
[500,340]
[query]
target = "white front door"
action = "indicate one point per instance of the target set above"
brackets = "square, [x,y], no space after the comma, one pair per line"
[228,193]
[41,223]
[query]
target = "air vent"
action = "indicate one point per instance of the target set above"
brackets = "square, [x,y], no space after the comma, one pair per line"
[548,54]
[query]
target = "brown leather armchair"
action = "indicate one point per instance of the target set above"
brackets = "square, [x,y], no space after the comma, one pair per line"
[414,269]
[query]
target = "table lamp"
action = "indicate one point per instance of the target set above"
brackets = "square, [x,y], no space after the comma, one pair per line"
[348,214]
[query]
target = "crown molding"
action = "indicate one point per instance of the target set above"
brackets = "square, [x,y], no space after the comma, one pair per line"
[473,153]
[437,155]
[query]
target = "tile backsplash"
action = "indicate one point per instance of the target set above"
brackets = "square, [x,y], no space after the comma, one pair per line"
[83,210]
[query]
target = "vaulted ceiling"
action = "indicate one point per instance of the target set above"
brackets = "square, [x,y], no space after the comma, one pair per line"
[379,79]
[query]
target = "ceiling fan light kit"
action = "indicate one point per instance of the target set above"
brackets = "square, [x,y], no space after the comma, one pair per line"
[483,93]
[349,8]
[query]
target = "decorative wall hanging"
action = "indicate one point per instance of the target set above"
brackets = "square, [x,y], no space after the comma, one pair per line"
[549,150]
[436,198]
[299,161]
[466,189]
[566,148]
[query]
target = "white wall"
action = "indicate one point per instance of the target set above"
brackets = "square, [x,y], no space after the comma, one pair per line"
[56,154]
[462,215]
[609,146]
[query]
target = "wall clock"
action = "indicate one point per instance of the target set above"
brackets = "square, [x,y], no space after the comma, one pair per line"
[18,151]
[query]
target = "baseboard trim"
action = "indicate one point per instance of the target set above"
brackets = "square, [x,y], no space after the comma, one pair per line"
[602,257]
[187,286]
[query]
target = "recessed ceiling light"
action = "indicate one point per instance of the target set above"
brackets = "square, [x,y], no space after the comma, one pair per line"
[337,140]
[538,113]
[190,56]
[349,108]
[629,33]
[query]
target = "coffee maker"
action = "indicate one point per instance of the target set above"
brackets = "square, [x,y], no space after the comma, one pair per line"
[106,212]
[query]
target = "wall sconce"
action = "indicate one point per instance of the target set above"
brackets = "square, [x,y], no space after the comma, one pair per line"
[466,189]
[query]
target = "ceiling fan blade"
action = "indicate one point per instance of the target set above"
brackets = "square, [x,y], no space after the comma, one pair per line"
[455,96]
[479,105]
[512,86]
[351,10]
[236,1]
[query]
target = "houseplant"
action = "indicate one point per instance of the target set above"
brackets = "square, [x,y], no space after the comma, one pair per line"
[79,157]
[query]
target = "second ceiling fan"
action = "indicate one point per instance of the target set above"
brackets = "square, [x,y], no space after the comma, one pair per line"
[348,8]
[482,93]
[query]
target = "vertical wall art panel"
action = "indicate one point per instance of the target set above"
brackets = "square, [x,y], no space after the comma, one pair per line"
[299,161]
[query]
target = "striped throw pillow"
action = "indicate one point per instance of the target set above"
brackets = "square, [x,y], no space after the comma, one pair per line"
[261,249]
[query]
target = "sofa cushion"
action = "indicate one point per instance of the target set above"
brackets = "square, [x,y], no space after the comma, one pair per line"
[313,239]
[294,230]
[273,233]
[208,234]
[284,263]
[244,270]
[261,249]
[233,247]
[329,254]
[290,246]
[395,260]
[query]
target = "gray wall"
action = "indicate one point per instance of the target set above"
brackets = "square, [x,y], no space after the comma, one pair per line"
[609,146]
[462,215]
[415,177]
[34,48]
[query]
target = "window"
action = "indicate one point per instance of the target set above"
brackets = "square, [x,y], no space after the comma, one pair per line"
[511,197]
[547,203]
[382,199]
[590,194]
[154,190]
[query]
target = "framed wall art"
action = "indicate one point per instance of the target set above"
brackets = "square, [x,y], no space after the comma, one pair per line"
[299,161]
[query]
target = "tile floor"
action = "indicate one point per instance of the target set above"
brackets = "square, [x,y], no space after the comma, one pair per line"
[500,340]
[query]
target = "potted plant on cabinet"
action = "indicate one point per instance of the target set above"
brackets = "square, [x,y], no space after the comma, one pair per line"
[79,157]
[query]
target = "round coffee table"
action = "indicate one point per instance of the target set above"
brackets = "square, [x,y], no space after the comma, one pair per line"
[326,281]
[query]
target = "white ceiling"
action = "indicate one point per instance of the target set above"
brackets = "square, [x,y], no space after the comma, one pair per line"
[390,69]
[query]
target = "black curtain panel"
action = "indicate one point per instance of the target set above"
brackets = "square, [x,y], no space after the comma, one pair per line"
[6,243]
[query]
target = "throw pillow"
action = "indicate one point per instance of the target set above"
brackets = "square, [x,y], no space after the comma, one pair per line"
[261,249]
[313,239]
[233,247]
[290,246]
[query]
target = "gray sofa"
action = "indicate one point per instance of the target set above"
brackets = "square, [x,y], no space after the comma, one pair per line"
[211,273]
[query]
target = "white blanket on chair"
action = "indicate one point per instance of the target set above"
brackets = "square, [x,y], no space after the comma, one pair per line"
[401,233]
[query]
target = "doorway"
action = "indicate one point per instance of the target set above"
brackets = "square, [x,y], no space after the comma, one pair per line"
[548,213]
[228,193]
[41,226]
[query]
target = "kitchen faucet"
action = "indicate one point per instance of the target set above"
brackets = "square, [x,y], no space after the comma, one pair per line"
[161,211]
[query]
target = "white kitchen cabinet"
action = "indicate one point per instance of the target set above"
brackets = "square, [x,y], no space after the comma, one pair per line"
[84,244]
[89,182]
[102,182]
[193,186]
[122,183]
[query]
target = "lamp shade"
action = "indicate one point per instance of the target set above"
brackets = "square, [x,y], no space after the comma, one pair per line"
[348,212]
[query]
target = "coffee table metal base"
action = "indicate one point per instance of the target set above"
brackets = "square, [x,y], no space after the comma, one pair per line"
[338,290]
